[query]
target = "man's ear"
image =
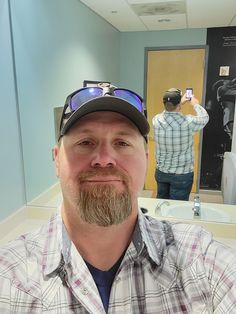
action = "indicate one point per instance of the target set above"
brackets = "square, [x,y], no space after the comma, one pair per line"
[56,158]
[147,153]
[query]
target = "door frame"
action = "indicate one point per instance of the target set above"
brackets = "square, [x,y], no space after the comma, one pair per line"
[206,48]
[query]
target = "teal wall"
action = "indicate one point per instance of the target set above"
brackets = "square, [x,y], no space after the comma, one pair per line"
[12,194]
[57,45]
[133,46]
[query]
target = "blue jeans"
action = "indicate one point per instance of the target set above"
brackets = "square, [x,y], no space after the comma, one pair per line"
[173,186]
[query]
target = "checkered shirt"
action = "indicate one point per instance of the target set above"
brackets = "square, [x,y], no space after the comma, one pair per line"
[174,139]
[167,269]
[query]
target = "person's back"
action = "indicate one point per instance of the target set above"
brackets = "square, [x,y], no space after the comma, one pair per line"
[174,145]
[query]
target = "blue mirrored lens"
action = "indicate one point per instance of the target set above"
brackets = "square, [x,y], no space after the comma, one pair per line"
[84,95]
[130,97]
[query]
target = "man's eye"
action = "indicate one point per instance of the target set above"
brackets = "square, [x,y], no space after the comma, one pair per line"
[122,143]
[85,143]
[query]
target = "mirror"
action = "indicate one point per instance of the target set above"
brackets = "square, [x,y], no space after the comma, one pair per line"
[52,59]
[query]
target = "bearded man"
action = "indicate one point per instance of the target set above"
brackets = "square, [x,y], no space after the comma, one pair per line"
[99,253]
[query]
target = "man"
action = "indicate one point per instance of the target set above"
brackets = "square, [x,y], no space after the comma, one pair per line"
[99,253]
[174,145]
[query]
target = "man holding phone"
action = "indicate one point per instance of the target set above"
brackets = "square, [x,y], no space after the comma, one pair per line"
[174,144]
[189,93]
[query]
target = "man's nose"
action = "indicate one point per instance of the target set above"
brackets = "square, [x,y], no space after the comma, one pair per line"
[104,156]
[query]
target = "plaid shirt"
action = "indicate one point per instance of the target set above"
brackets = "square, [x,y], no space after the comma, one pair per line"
[174,139]
[166,269]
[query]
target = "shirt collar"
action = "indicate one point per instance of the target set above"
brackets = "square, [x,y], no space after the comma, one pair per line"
[150,234]
[159,241]
[52,255]
[155,235]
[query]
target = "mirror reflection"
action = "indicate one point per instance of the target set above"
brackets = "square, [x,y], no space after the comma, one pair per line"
[46,61]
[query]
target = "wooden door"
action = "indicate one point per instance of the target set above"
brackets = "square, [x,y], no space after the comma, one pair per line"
[178,68]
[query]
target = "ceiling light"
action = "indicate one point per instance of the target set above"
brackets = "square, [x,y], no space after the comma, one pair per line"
[164,20]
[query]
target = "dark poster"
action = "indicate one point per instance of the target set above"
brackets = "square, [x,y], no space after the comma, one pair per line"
[220,104]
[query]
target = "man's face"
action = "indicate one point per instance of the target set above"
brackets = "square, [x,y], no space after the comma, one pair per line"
[102,165]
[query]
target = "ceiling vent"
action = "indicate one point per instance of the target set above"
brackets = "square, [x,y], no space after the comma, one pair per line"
[161,8]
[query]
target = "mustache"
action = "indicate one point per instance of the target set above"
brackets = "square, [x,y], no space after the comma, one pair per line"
[103,172]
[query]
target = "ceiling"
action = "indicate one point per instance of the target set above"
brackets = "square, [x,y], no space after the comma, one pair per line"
[151,15]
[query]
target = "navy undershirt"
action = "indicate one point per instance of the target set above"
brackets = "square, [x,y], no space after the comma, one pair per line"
[104,280]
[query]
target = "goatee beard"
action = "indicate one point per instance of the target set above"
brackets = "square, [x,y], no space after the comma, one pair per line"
[102,204]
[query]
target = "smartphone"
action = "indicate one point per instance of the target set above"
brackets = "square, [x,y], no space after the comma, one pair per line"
[189,93]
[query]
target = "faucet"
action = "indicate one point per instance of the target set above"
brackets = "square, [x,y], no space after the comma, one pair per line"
[196,206]
[159,205]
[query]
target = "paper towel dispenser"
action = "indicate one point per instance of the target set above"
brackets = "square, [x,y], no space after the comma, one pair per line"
[228,181]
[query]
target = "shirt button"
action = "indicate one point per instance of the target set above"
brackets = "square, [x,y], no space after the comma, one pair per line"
[84,291]
[117,279]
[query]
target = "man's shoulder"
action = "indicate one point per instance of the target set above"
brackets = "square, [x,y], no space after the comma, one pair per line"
[193,242]
[18,250]
[191,231]
[169,117]
[27,249]
[191,237]
[20,262]
[181,231]
[184,243]
[157,117]
[28,260]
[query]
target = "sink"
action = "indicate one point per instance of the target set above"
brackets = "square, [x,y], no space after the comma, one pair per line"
[185,211]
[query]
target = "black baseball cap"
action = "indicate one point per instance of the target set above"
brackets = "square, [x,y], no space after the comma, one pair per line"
[172,95]
[103,98]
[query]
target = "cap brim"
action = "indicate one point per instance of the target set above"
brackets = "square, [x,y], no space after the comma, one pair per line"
[109,103]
